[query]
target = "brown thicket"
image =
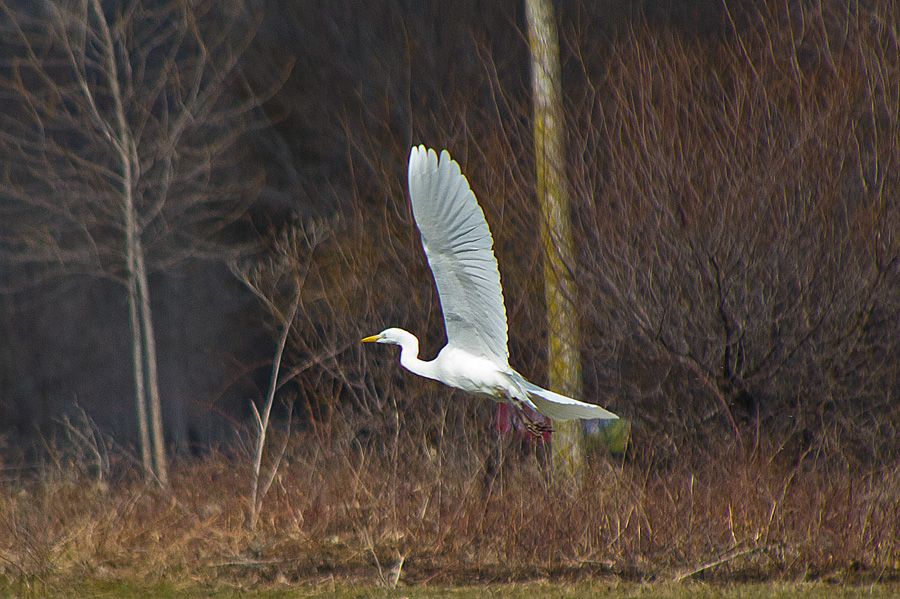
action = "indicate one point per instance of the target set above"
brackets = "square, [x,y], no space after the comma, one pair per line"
[740,218]
[737,215]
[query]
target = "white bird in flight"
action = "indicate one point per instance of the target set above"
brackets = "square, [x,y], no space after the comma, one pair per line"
[460,252]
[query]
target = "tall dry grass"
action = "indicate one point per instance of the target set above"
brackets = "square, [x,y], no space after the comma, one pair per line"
[422,510]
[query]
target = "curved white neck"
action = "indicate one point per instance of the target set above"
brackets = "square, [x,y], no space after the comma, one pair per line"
[409,358]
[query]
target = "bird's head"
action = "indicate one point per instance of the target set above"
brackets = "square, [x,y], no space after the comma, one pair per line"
[391,336]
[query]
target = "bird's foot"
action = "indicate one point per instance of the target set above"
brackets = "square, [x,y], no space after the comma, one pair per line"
[536,428]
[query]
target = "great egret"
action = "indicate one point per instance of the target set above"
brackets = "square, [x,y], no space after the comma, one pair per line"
[459,248]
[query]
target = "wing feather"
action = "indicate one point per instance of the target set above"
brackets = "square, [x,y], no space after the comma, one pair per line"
[459,248]
[560,407]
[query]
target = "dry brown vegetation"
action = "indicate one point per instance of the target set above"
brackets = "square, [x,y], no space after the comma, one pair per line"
[737,211]
[342,509]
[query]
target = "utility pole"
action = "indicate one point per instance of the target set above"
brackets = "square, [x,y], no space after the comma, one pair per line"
[556,230]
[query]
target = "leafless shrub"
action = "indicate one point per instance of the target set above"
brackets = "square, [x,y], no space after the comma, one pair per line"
[286,266]
[736,225]
[739,223]
[88,445]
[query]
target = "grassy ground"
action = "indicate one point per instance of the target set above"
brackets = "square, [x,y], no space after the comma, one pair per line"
[126,589]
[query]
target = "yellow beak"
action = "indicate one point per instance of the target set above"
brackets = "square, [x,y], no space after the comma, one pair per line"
[371,339]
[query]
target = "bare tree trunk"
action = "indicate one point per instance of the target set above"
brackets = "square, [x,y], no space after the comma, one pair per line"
[131,244]
[149,341]
[137,355]
[556,233]
[138,296]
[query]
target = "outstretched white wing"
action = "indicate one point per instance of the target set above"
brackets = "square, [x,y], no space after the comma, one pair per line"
[459,245]
[560,407]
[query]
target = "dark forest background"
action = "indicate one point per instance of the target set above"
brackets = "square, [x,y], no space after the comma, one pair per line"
[735,172]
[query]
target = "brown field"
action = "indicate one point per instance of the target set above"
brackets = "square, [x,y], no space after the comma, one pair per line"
[419,514]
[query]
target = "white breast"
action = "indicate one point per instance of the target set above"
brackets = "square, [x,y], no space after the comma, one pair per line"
[473,374]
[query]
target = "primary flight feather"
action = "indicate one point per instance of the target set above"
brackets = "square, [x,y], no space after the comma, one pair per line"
[459,248]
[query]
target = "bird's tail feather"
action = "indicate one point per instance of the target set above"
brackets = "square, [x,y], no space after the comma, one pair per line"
[560,407]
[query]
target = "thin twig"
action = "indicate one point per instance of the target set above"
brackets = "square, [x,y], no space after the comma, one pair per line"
[721,560]
[263,423]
